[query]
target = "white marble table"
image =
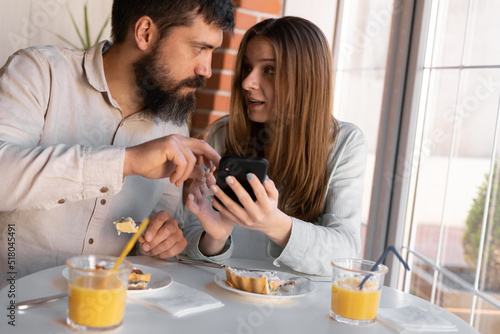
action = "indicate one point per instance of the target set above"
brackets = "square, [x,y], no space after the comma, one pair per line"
[240,314]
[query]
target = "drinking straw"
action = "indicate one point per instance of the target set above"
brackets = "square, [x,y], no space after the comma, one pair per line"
[380,259]
[127,249]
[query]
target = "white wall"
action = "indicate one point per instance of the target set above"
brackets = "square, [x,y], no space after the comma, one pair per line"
[35,22]
[321,12]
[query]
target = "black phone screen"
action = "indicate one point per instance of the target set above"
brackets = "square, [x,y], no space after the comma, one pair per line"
[239,167]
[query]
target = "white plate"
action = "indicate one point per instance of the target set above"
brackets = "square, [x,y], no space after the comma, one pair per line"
[159,278]
[302,287]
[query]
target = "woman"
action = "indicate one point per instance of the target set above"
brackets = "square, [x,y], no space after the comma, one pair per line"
[308,210]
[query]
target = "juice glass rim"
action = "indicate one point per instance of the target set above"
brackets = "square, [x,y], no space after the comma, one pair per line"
[124,266]
[381,269]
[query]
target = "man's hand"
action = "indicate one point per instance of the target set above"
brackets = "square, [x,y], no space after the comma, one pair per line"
[173,156]
[163,237]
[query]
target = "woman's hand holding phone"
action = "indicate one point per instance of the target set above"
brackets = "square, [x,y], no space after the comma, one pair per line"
[240,167]
[262,214]
[245,199]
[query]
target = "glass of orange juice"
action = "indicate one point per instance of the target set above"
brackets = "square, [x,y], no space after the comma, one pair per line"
[96,294]
[349,303]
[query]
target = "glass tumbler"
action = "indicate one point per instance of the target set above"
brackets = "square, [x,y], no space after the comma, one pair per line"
[349,303]
[96,294]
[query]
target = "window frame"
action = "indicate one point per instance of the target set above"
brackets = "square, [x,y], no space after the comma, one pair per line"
[397,159]
[391,193]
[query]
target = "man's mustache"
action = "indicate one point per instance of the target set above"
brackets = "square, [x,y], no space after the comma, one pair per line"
[194,82]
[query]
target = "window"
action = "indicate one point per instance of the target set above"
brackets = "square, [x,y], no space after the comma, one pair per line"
[450,229]
[422,80]
[360,58]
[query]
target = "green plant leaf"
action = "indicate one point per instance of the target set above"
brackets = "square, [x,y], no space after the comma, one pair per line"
[102,29]
[87,29]
[85,37]
[76,27]
[66,41]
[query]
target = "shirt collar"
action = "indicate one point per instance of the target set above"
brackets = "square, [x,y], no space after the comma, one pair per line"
[94,67]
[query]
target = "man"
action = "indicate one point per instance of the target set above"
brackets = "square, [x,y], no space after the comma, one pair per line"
[89,137]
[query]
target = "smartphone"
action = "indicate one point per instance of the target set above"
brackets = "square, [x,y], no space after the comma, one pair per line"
[239,167]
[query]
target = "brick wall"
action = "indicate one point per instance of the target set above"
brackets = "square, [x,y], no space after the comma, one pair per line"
[213,99]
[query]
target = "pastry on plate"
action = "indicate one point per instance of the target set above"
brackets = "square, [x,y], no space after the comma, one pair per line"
[126,225]
[262,282]
[137,280]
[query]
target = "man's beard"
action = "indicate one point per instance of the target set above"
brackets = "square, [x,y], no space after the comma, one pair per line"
[161,94]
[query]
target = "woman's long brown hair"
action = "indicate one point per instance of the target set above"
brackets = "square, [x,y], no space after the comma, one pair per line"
[303,129]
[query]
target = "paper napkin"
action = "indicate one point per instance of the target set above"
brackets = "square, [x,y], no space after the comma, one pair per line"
[178,299]
[412,319]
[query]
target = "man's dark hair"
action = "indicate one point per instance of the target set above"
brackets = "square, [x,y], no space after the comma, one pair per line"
[167,14]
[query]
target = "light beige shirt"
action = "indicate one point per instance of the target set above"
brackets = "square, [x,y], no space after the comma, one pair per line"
[62,148]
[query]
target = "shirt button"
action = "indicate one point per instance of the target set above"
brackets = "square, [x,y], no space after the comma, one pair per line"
[91,241]
[61,201]
[104,189]
[103,201]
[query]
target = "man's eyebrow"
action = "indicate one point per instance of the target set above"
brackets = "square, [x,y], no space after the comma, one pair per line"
[206,45]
